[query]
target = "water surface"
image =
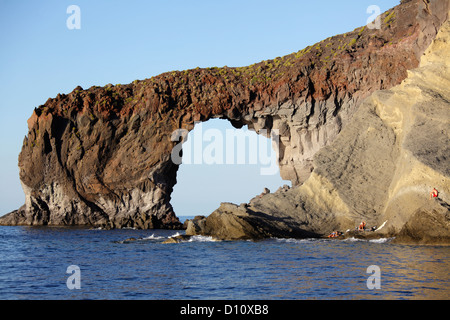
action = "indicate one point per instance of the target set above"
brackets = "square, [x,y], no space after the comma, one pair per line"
[34,260]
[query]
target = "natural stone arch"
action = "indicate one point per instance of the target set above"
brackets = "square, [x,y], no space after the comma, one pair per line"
[224,153]
[101,156]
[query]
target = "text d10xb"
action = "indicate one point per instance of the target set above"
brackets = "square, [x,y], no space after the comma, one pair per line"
[246,309]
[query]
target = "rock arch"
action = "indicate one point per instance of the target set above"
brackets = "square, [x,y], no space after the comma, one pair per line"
[222,163]
[101,156]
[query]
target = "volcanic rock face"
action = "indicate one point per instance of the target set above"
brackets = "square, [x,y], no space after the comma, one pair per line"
[381,167]
[102,156]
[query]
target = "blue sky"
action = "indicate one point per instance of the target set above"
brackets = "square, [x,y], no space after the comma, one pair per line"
[120,41]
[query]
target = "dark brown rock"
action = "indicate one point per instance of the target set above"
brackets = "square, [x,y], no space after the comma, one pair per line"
[178,239]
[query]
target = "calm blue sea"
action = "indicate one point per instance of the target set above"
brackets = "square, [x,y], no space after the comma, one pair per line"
[34,262]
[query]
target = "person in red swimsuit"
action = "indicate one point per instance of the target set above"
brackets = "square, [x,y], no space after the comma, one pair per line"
[433,193]
[362,226]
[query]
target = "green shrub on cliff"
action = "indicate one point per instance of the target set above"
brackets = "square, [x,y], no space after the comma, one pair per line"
[389,17]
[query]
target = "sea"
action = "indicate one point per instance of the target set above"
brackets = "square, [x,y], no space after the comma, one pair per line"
[57,263]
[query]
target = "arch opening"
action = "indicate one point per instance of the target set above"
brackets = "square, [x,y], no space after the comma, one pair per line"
[221,163]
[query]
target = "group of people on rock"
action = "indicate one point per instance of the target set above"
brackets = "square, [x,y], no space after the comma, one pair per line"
[362,226]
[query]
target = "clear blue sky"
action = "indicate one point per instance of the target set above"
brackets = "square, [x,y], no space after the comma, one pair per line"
[120,41]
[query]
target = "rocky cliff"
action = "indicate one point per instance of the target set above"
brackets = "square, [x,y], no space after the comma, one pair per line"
[101,156]
[381,168]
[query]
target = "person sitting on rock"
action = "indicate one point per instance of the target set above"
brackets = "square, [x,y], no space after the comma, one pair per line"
[335,234]
[266,191]
[433,193]
[362,226]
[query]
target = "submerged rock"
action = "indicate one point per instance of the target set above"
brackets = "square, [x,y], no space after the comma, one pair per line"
[178,239]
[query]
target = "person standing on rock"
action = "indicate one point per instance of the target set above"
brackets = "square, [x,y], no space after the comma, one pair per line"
[434,193]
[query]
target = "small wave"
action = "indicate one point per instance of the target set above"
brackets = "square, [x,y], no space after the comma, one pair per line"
[380,240]
[175,235]
[353,239]
[294,240]
[153,237]
[201,239]
[99,228]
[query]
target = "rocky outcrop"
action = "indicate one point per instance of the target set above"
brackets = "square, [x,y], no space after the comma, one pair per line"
[381,168]
[177,239]
[102,156]
[233,222]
